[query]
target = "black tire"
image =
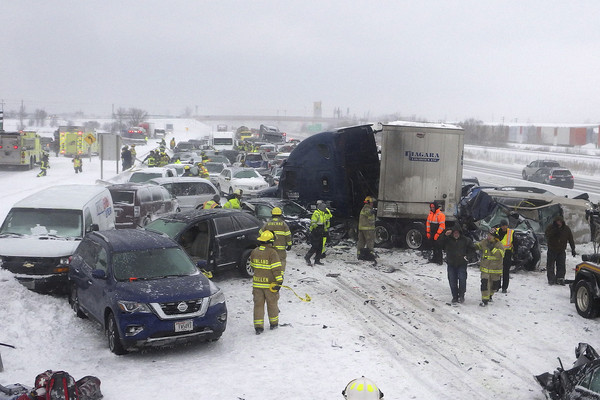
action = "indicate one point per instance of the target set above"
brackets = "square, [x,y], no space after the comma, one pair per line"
[244,266]
[74,302]
[585,302]
[383,235]
[414,237]
[536,256]
[112,334]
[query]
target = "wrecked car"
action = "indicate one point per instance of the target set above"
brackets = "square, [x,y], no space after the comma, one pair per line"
[478,212]
[581,382]
[541,206]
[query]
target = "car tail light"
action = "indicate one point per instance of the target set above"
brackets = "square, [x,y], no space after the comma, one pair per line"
[136,211]
[0,146]
[15,147]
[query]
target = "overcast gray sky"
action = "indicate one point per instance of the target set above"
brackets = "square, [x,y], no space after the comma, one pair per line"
[536,61]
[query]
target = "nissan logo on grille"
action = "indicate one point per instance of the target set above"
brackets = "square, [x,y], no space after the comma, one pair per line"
[182,307]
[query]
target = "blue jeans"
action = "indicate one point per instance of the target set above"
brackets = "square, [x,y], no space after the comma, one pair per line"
[457,277]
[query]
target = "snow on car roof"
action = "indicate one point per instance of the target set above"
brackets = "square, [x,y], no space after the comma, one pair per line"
[65,197]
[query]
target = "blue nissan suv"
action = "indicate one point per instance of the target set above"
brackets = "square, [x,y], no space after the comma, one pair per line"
[144,290]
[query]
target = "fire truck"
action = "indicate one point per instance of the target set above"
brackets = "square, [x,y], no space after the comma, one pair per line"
[20,149]
[74,140]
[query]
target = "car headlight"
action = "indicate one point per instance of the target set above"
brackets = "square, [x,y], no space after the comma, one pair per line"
[216,298]
[133,307]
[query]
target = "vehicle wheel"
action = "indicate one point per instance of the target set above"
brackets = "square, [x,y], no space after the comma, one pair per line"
[114,339]
[74,302]
[415,237]
[536,256]
[524,174]
[31,162]
[585,303]
[299,237]
[383,235]
[244,265]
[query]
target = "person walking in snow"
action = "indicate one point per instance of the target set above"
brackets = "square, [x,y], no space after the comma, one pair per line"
[490,266]
[318,231]
[44,165]
[434,226]
[266,282]
[77,163]
[558,234]
[283,235]
[508,239]
[457,247]
[366,231]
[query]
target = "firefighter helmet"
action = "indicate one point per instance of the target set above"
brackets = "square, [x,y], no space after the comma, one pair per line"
[266,236]
[186,167]
[362,389]
[237,192]
[276,211]
[368,199]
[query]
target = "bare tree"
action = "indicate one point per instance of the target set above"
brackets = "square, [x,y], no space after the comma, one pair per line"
[22,114]
[137,116]
[40,116]
[91,125]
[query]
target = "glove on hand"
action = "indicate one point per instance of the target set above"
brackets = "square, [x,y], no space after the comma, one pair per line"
[429,236]
[573,253]
[436,236]
[277,288]
[288,247]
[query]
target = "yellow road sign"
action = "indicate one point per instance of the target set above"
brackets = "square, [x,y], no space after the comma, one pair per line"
[90,138]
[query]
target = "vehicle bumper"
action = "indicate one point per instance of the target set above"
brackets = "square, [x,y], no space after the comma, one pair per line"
[38,274]
[155,332]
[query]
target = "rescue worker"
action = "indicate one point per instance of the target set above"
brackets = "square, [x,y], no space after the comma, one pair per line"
[77,163]
[317,234]
[326,225]
[126,158]
[508,240]
[558,234]
[187,171]
[202,171]
[435,225]
[162,143]
[283,235]
[44,165]
[150,159]
[490,266]
[172,143]
[266,282]
[362,389]
[214,203]
[133,153]
[164,159]
[366,231]
[235,202]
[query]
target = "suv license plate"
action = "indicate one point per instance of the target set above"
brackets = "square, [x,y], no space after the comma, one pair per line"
[184,326]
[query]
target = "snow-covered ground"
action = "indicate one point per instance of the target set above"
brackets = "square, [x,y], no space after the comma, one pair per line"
[391,323]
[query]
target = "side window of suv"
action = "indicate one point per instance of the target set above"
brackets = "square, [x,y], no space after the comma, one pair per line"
[102,259]
[245,222]
[224,225]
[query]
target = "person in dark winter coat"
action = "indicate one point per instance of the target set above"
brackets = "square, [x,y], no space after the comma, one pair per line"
[558,234]
[457,247]
[126,158]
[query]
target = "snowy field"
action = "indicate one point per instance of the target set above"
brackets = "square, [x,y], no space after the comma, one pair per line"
[391,323]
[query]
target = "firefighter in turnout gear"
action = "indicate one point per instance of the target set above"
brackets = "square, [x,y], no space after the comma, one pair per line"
[491,266]
[507,238]
[362,389]
[266,282]
[150,159]
[318,231]
[187,171]
[435,225]
[77,163]
[44,165]
[283,235]
[366,231]
[214,203]
[235,202]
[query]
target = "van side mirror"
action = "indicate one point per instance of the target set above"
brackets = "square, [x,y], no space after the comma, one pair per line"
[93,228]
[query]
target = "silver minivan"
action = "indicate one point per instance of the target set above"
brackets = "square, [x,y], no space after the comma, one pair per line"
[191,192]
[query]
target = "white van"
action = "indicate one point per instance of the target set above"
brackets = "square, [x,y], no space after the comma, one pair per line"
[43,230]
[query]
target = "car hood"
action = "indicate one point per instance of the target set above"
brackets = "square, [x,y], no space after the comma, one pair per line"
[165,289]
[38,246]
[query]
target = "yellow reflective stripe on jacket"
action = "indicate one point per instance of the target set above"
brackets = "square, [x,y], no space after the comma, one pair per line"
[507,240]
[491,270]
